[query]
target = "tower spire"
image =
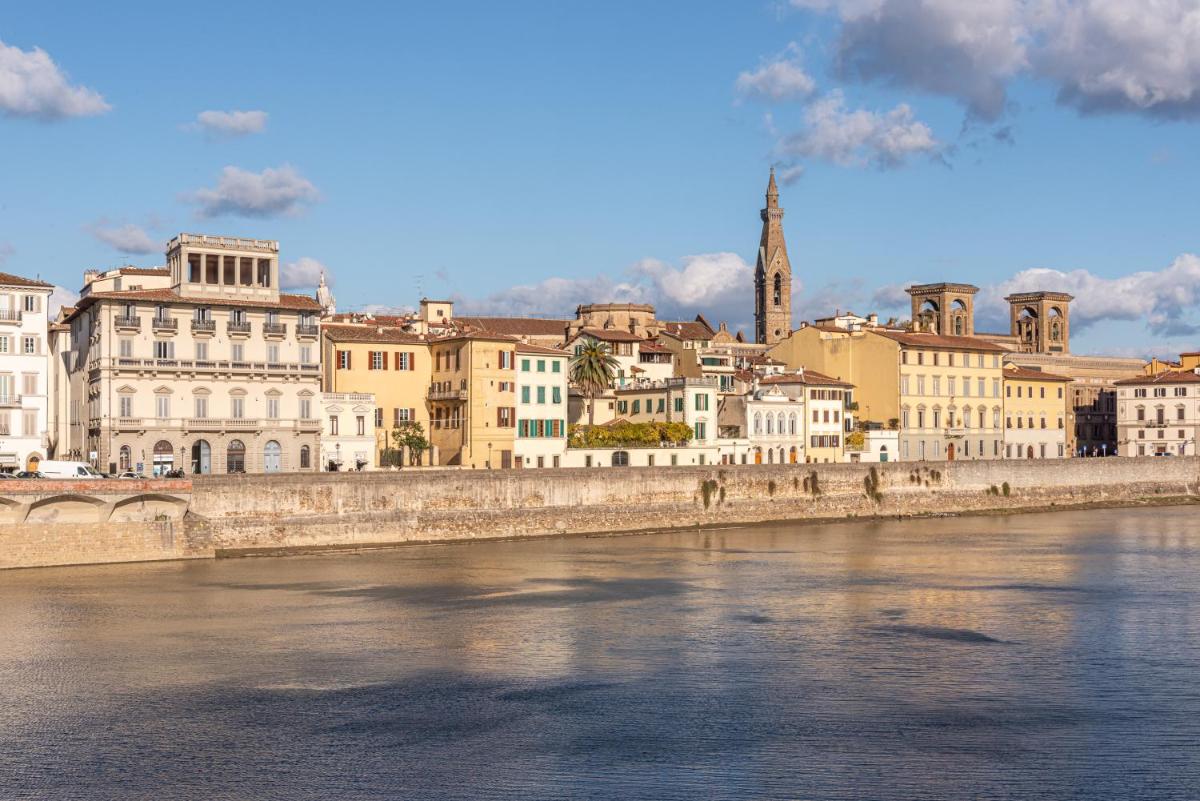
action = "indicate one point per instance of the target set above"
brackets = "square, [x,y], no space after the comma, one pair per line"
[772,274]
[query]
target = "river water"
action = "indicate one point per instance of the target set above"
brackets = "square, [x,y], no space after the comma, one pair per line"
[1036,656]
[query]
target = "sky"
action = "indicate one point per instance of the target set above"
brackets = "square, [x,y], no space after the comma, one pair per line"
[525,157]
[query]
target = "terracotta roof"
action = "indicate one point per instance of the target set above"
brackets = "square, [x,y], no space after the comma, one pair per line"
[689,330]
[368,333]
[609,335]
[1012,371]
[483,336]
[8,279]
[807,377]
[650,346]
[296,302]
[763,358]
[160,271]
[525,347]
[927,340]
[518,326]
[1169,377]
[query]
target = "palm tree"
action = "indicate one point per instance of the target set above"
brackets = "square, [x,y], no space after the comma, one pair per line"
[592,370]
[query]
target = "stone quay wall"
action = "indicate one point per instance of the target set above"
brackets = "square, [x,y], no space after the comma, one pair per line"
[55,523]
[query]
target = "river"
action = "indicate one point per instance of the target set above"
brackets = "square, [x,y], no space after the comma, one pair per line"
[1032,656]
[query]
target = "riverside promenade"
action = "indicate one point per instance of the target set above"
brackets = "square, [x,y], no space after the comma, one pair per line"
[46,523]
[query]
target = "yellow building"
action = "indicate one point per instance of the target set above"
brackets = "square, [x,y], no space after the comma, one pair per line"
[941,392]
[1037,418]
[385,361]
[472,400]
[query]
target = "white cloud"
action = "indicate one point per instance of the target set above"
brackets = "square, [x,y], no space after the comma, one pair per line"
[61,296]
[857,137]
[781,78]
[272,192]
[128,238]
[32,85]
[232,123]
[553,297]
[790,174]
[1102,55]
[303,273]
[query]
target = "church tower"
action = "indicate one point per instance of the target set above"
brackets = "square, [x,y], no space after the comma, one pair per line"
[772,275]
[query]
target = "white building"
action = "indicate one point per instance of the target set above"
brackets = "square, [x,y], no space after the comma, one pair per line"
[665,456]
[638,359]
[879,445]
[24,372]
[542,400]
[673,400]
[775,425]
[348,431]
[1159,415]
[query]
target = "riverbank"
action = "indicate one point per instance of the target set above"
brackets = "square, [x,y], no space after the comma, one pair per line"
[57,523]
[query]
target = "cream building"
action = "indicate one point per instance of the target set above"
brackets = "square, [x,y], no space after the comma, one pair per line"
[673,400]
[1036,413]
[24,372]
[542,399]
[204,367]
[1159,415]
[348,431]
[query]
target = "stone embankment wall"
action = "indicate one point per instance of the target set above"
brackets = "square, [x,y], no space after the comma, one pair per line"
[331,510]
[52,523]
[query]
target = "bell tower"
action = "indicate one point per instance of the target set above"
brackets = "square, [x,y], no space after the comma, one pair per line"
[772,275]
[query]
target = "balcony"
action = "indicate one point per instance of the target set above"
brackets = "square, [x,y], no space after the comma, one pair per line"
[129,423]
[165,324]
[308,424]
[238,328]
[10,315]
[447,394]
[204,326]
[220,424]
[307,331]
[126,323]
[10,401]
[275,329]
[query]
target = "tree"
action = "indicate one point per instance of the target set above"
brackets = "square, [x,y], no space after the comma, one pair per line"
[592,370]
[410,436]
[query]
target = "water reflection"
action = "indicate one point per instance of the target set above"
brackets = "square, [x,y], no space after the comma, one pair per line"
[1025,657]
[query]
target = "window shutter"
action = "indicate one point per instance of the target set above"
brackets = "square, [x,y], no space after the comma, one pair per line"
[412,360]
[499,415]
[412,415]
[349,359]
[370,360]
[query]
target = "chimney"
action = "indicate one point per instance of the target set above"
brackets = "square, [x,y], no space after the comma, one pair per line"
[89,276]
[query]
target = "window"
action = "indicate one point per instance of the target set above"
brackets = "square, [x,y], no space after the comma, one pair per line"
[995,387]
[506,360]
[305,457]
[920,385]
[701,430]
[504,415]
[200,404]
[525,395]
[950,385]
[124,348]
[937,385]
[29,345]
[237,408]
[556,367]
[556,395]
[272,354]
[272,408]
[679,405]
[306,354]
[904,385]
[305,409]
[162,406]
[541,395]
[620,459]
[237,352]
[702,402]
[125,406]
[360,423]
[637,407]
[126,458]
[343,359]
[29,303]
[201,351]
[164,349]
[333,425]
[525,365]
[377,361]
[404,361]
[541,365]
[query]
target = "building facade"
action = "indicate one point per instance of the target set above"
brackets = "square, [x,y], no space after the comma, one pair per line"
[472,400]
[542,399]
[1036,414]
[348,431]
[1159,415]
[24,372]
[204,368]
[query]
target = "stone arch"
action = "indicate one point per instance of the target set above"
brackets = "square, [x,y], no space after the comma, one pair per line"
[148,507]
[67,509]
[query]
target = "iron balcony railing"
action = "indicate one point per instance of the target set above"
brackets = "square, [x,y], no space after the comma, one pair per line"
[238,328]
[165,324]
[204,325]
[276,329]
[127,321]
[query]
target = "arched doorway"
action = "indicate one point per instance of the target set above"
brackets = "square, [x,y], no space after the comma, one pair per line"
[620,459]
[32,462]
[164,457]
[126,458]
[305,458]
[770,455]
[950,452]
[758,455]
[1029,452]
[792,455]
[883,454]
[272,457]
[235,457]
[201,458]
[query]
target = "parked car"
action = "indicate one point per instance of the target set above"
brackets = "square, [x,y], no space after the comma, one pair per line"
[51,468]
[6,475]
[31,474]
[129,474]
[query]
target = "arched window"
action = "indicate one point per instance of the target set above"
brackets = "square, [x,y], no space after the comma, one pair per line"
[778,290]
[770,456]
[201,457]
[958,326]
[792,424]
[770,424]
[758,422]
[620,459]
[126,458]
[164,457]
[305,458]
[272,457]
[235,457]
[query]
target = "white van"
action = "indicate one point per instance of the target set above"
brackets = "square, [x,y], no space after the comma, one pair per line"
[52,469]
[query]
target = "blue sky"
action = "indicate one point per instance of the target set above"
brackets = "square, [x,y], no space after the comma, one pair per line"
[526,157]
